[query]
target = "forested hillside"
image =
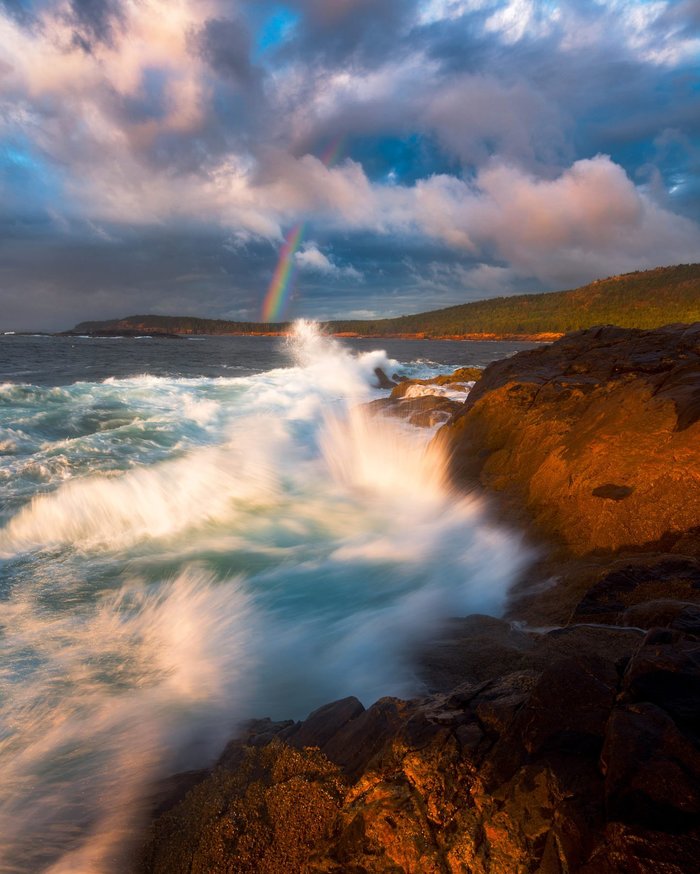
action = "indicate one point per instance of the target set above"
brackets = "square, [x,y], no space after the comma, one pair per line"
[644,299]
[635,300]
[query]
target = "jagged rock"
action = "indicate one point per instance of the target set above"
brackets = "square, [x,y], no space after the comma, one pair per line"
[651,769]
[682,616]
[576,762]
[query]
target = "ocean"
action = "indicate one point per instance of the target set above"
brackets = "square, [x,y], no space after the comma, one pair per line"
[198,531]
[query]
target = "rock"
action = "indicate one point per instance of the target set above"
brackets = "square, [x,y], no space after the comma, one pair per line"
[665,670]
[583,758]
[633,850]
[424,412]
[461,380]
[651,769]
[479,649]
[383,380]
[267,816]
[590,440]
[323,724]
[629,584]
[573,749]
[569,706]
[682,616]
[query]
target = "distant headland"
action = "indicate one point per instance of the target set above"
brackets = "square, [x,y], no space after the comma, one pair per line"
[644,299]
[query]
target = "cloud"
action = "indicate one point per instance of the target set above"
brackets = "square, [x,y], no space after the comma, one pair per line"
[587,222]
[226,44]
[470,140]
[310,257]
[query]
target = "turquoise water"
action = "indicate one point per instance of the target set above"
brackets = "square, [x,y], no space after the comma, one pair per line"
[211,540]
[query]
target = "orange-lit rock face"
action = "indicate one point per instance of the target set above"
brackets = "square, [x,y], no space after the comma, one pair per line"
[551,767]
[594,438]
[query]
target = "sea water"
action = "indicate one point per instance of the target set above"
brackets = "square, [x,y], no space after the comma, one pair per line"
[195,532]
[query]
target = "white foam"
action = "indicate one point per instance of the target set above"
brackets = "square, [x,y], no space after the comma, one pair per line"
[354,544]
[106,695]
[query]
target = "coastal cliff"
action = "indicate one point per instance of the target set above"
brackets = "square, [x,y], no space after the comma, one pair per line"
[573,748]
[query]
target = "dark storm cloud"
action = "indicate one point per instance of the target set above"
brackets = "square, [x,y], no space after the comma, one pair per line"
[364,29]
[183,270]
[225,43]
[95,20]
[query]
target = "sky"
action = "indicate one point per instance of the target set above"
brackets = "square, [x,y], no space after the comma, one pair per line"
[155,154]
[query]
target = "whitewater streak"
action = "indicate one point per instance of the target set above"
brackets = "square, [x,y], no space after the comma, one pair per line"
[200,551]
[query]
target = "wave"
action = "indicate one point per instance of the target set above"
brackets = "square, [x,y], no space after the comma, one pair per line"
[327,544]
[110,696]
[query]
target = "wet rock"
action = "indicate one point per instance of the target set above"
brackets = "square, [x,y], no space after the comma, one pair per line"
[569,707]
[323,724]
[423,412]
[479,649]
[575,762]
[383,380]
[572,750]
[461,380]
[366,737]
[665,670]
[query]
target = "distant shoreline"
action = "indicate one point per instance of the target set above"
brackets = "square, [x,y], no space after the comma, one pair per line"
[544,337]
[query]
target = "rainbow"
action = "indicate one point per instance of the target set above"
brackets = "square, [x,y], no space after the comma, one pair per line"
[282,279]
[281,283]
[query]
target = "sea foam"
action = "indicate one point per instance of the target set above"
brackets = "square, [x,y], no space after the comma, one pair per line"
[210,550]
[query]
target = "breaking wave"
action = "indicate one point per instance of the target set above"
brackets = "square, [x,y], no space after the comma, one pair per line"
[185,553]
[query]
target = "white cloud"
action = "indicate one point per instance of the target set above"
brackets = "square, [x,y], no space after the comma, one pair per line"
[589,221]
[311,258]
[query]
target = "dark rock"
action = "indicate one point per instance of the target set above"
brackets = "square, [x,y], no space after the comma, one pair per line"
[665,670]
[362,739]
[479,649]
[651,769]
[670,577]
[383,380]
[682,616]
[559,766]
[632,850]
[570,705]
[323,724]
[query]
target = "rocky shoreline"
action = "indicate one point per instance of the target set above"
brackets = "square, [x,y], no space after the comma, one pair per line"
[563,738]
